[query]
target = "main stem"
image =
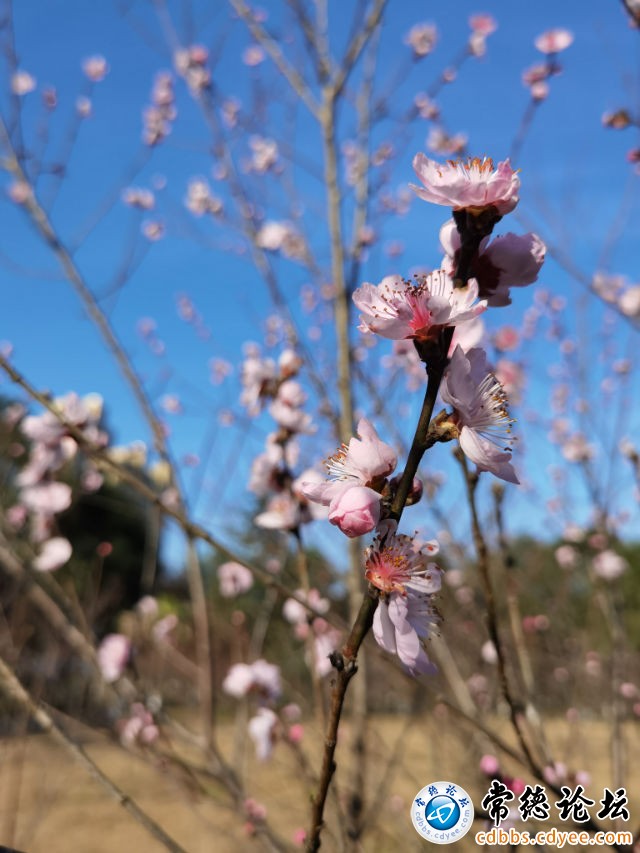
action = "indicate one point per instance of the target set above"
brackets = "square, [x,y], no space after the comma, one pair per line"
[345,661]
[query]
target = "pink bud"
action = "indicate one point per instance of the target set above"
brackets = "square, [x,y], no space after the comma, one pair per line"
[355,511]
[489,765]
[296,733]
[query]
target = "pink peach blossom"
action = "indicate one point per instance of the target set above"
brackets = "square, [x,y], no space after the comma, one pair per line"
[401,564]
[473,185]
[234,579]
[422,39]
[480,412]
[399,623]
[511,260]
[53,554]
[113,654]
[398,309]
[553,41]
[355,510]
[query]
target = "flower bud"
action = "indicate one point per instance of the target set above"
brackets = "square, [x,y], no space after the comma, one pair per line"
[355,511]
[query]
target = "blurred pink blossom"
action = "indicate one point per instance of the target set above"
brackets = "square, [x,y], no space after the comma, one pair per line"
[259,676]
[553,41]
[234,579]
[608,565]
[22,83]
[113,654]
[95,68]
[422,38]
[53,554]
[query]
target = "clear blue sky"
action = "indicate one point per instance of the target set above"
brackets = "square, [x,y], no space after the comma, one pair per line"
[577,189]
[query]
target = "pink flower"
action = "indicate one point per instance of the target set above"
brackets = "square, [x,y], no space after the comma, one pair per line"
[95,68]
[509,261]
[422,39]
[399,623]
[365,461]
[22,83]
[53,554]
[553,41]
[113,654]
[483,24]
[356,511]
[473,185]
[609,565]
[566,556]
[140,727]
[506,338]
[398,309]
[234,579]
[480,412]
[489,765]
[401,564]
[296,613]
[47,498]
[261,676]
[282,513]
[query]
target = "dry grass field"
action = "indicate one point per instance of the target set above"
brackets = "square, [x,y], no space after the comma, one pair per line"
[48,804]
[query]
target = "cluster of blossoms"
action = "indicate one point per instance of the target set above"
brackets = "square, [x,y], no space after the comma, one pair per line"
[616,290]
[200,200]
[271,472]
[191,64]
[158,118]
[320,636]
[549,43]
[595,550]
[145,626]
[437,315]
[274,236]
[42,494]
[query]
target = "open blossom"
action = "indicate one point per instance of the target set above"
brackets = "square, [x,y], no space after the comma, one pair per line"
[399,623]
[398,309]
[480,412]
[474,185]
[357,473]
[512,260]
[365,461]
[234,579]
[401,564]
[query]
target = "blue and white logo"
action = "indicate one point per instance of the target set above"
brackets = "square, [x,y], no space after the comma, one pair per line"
[442,812]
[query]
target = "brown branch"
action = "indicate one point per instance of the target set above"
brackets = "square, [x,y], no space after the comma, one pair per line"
[291,75]
[357,45]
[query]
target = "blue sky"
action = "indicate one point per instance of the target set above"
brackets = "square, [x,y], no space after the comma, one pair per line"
[575,181]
